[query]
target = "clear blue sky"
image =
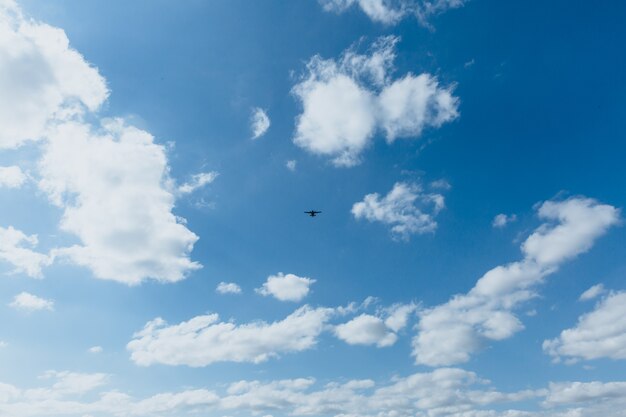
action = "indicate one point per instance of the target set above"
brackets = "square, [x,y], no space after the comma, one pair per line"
[174,146]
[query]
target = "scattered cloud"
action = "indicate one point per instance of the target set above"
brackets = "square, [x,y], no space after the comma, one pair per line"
[12,177]
[390,12]
[440,185]
[204,340]
[592,292]
[451,332]
[198,181]
[95,349]
[291,165]
[42,79]
[379,330]
[406,208]
[288,287]
[14,249]
[346,101]
[502,220]
[29,302]
[599,334]
[228,288]
[111,186]
[259,122]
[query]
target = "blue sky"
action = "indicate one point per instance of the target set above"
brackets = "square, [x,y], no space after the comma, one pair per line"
[156,159]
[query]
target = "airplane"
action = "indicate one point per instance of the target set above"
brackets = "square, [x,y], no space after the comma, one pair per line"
[312,213]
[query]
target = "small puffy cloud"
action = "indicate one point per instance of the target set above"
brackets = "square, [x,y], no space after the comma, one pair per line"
[42,78]
[592,292]
[345,102]
[110,185]
[380,329]
[291,165]
[204,340]
[502,220]
[599,334]
[95,349]
[198,181]
[228,288]
[29,302]
[451,332]
[389,12]
[12,177]
[259,122]
[14,249]
[288,287]
[406,208]
[366,330]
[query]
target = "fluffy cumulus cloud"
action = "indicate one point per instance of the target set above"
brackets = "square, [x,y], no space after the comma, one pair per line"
[407,208]
[259,122]
[15,249]
[288,287]
[110,184]
[345,102]
[598,334]
[42,79]
[380,330]
[12,177]
[29,302]
[228,288]
[451,332]
[110,180]
[391,11]
[204,340]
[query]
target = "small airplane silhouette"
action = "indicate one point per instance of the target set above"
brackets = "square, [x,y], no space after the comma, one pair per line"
[312,213]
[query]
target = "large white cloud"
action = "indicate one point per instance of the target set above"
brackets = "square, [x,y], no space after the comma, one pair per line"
[111,180]
[451,332]
[406,208]
[42,78]
[111,186]
[391,11]
[15,248]
[288,287]
[205,339]
[345,102]
[598,334]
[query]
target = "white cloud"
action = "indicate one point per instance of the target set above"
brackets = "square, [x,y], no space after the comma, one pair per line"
[366,330]
[228,288]
[291,165]
[345,102]
[42,79]
[204,340]
[592,292]
[451,332]
[95,349]
[599,334]
[406,208]
[12,177]
[23,259]
[29,302]
[502,220]
[259,122]
[380,329]
[198,181]
[392,11]
[288,287]
[111,187]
